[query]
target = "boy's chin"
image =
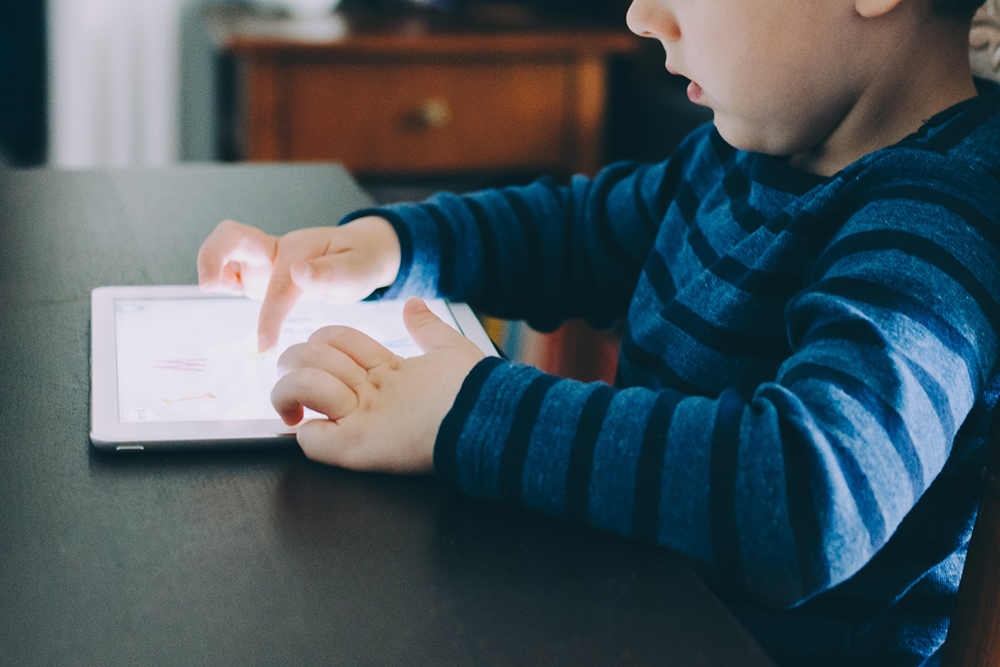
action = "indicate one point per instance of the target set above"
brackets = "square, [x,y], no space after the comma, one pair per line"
[750,139]
[737,134]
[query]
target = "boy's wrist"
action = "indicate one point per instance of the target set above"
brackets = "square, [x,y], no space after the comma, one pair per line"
[385,246]
[445,445]
[402,240]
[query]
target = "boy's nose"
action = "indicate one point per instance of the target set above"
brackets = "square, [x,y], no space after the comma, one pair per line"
[651,18]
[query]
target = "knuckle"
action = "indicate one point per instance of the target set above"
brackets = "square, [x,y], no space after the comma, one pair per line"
[295,235]
[279,283]
[293,383]
[227,227]
[327,269]
[330,335]
[291,358]
[379,375]
[298,241]
[356,375]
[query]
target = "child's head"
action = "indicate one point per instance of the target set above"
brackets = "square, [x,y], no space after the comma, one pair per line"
[831,79]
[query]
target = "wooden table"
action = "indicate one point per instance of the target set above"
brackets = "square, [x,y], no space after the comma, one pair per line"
[264,558]
[422,94]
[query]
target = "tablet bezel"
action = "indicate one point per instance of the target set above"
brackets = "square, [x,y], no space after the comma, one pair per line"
[109,433]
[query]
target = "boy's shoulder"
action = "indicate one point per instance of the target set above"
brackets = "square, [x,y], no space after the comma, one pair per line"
[956,152]
[966,132]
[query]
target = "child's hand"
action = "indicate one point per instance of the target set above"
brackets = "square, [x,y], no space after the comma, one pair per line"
[341,264]
[384,411]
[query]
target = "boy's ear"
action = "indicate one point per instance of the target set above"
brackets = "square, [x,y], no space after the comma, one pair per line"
[874,8]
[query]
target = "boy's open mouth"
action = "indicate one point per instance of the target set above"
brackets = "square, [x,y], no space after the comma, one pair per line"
[695,93]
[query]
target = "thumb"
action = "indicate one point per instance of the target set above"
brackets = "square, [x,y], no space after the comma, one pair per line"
[427,329]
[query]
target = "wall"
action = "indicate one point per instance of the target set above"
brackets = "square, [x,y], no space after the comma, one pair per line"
[22,82]
[113,81]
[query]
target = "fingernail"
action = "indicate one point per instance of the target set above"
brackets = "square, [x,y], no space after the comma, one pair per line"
[263,342]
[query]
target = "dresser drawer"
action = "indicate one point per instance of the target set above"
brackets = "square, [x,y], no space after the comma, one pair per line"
[427,116]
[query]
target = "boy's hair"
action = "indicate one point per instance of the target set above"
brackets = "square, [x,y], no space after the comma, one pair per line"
[957,9]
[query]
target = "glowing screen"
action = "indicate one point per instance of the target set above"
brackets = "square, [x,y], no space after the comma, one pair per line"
[196,359]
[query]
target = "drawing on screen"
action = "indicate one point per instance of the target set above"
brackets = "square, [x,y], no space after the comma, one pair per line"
[206,395]
[298,326]
[190,365]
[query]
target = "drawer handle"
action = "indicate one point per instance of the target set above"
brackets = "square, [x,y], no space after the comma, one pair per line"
[433,114]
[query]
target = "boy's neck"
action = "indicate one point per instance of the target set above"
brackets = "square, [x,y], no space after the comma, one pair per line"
[916,82]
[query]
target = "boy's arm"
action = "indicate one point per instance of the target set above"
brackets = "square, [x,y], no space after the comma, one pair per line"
[789,491]
[542,252]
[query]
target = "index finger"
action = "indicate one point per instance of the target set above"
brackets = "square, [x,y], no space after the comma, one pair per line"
[282,292]
[279,300]
[363,349]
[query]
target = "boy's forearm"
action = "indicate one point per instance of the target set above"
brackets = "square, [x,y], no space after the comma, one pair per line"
[727,483]
[541,252]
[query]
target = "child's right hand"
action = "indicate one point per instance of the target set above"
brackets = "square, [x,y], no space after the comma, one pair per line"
[341,264]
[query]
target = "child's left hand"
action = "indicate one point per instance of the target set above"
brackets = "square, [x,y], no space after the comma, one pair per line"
[384,411]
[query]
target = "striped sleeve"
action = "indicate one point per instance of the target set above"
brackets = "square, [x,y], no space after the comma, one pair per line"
[790,490]
[543,252]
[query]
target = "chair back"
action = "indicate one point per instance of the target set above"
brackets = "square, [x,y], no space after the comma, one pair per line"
[984,41]
[974,632]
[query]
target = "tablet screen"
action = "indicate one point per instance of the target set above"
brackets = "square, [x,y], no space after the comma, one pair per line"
[196,359]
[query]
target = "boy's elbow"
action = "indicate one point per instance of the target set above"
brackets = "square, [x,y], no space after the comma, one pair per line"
[786,596]
[829,563]
[786,593]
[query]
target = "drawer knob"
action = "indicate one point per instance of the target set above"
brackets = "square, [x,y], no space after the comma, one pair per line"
[433,114]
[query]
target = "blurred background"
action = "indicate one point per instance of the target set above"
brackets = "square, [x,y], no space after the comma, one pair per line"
[87,83]
[413,96]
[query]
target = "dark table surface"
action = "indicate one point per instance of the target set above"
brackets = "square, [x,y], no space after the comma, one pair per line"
[265,558]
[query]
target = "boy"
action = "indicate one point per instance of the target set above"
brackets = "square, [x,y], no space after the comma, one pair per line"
[810,289]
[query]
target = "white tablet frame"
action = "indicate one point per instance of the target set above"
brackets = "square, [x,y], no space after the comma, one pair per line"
[108,432]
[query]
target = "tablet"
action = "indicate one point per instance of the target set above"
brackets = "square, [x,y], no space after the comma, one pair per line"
[173,367]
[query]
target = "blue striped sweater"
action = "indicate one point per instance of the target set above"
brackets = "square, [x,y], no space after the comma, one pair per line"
[805,377]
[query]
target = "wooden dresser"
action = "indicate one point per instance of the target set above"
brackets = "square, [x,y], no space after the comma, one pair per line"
[495,91]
